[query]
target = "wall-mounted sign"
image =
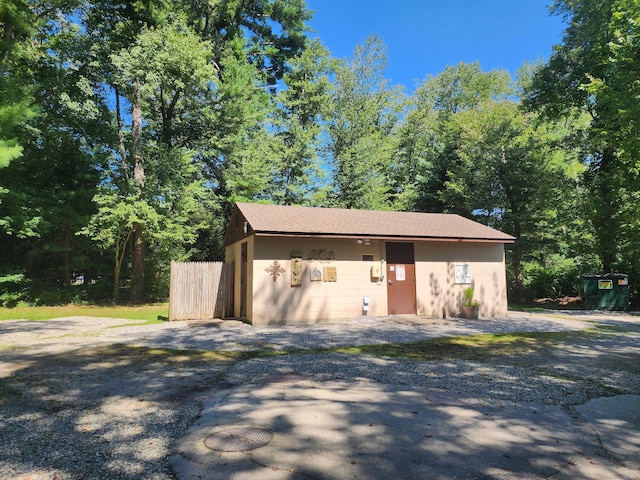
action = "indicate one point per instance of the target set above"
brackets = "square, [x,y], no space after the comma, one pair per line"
[296,271]
[330,274]
[462,273]
[605,284]
[316,274]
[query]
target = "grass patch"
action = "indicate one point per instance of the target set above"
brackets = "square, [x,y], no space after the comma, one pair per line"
[148,313]
[179,356]
[13,348]
[527,308]
[130,355]
[473,347]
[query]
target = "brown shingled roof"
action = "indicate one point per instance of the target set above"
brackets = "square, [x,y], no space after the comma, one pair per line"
[338,222]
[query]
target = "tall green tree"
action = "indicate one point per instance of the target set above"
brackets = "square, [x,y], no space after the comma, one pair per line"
[509,177]
[429,138]
[240,153]
[366,113]
[48,188]
[163,69]
[16,101]
[303,107]
[594,72]
[196,81]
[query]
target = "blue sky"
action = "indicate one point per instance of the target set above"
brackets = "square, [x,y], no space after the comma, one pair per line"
[424,36]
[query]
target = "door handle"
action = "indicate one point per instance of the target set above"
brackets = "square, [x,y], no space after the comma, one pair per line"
[390,282]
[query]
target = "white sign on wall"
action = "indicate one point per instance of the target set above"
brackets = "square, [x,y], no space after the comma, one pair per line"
[462,273]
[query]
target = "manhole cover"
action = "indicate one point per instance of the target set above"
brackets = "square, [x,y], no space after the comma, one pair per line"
[238,439]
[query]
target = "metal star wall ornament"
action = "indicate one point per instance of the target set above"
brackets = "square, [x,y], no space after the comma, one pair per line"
[275,270]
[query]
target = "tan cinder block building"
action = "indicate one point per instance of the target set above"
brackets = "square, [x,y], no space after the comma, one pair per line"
[305,265]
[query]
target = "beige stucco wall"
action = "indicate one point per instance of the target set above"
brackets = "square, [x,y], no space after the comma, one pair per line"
[277,302]
[437,293]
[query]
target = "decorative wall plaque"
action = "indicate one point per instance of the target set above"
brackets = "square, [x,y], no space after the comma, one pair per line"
[315,273]
[275,270]
[296,271]
[330,274]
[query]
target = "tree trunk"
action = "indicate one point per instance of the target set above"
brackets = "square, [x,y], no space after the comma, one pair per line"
[607,221]
[116,277]
[121,250]
[137,264]
[138,250]
[7,40]
[136,137]
[121,144]
[68,247]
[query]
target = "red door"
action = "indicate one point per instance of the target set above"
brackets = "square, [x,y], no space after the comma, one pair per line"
[401,278]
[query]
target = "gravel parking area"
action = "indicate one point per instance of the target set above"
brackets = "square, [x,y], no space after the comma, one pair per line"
[99,398]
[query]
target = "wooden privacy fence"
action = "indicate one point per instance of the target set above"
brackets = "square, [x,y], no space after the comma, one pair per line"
[200,290]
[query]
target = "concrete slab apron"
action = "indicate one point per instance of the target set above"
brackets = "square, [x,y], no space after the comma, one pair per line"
[337,430]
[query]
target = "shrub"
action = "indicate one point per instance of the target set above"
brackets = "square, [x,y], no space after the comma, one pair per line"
[12,288]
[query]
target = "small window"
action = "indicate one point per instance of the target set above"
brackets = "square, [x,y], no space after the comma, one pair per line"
[367,258]
[462,273]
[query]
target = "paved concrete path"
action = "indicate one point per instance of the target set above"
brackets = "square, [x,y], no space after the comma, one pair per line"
[339,430]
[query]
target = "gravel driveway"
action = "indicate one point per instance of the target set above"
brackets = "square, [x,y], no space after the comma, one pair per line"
[106,399]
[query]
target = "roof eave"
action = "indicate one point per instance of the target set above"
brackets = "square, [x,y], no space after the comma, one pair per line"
[384,237]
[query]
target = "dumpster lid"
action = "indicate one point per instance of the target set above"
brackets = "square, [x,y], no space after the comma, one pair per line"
[605,275]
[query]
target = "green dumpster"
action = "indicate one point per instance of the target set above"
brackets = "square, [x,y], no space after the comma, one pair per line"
[606,292]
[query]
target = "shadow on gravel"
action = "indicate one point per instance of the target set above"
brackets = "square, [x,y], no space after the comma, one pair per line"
[338,430]
[611,346]
[113,412]
[107,412]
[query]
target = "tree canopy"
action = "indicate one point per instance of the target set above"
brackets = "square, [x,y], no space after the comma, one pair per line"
[128,129]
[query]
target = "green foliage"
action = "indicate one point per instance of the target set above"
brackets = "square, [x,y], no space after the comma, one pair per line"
[366,112]
[194,81]
[467,298]
[302,107]
[147,313]
[557,277]
[15,98]
[139,124]
[507,176]
[12,288]
[430,137]
[594,72]
[198,137]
